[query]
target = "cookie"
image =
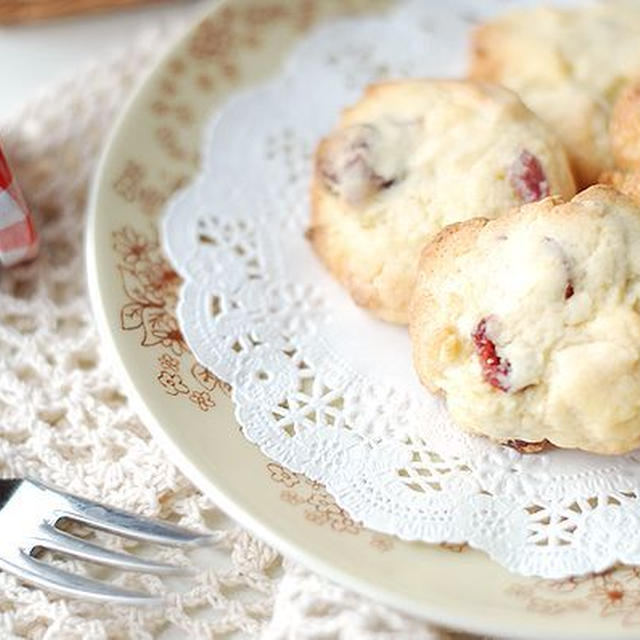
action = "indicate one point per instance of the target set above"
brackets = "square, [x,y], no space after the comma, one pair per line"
[568,66]
[530,323]
[411,157]
[624,130]
[625,181]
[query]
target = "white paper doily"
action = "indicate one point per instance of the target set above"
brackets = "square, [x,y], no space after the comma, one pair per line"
[321,386]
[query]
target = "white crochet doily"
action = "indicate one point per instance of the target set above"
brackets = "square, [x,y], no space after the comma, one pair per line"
[321,386]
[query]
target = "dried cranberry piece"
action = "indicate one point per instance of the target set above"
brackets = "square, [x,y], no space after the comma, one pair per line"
[568,290]
[494,368]
[527,178]
[522,446]
[346,164]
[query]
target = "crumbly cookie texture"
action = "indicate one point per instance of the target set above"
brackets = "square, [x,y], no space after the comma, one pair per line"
[530,324]
[411,157]
[568,66]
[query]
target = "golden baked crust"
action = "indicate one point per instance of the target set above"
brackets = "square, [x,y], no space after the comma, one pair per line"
[627,182]
[568,66]
[625,142]
[530,323]
[625,127]
[411,157]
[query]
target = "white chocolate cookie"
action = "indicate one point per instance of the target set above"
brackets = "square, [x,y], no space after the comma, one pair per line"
[568,66]
[412,157]
[530,324]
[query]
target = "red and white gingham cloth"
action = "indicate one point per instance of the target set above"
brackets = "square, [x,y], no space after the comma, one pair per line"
[18,237]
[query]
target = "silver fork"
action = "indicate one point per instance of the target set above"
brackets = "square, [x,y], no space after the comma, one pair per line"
[29,513]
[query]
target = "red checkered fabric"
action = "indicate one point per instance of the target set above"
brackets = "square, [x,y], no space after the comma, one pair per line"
[18,237]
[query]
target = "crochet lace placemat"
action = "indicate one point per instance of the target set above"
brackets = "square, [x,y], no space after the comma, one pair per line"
[64,417]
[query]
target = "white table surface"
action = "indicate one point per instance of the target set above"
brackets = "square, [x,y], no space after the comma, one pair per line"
[38,54]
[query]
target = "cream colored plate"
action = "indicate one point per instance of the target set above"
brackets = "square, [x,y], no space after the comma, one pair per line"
[153,151]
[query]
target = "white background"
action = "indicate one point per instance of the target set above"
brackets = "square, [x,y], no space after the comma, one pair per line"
[35,55]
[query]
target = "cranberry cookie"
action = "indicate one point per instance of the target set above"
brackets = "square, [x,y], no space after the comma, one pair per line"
[568,66]
[411,157]
[624,132]
[530,324]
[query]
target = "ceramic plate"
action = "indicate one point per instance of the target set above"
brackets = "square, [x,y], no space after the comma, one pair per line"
[154,151]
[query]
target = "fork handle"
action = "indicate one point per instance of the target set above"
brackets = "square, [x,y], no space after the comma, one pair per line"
[7,489]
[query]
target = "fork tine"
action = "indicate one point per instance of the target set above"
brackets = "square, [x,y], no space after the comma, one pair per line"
[125,524]
[56,540]
[46,576]
[120,522]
